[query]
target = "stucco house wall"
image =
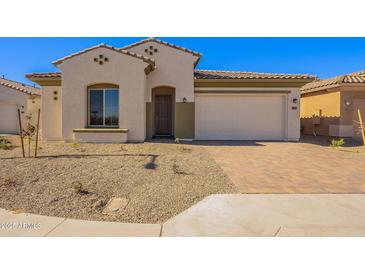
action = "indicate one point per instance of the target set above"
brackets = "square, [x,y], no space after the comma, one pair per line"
[326,104]
[12,97]
[349,121]
[51,129]
[337,109]
[174,68]
[28,104]
[152,67]
[125,71]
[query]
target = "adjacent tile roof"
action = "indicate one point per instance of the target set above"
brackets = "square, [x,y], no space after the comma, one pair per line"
[152,39]
[44,75]
[30,90]
[222,74]
[352,78]
[139,56]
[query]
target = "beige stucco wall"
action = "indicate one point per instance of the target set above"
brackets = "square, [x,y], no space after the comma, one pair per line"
[293,115]
[325,103]
[337,118]
[100,137]
[328,102]
[349,118]
[26,103]
[125,71]
[174,68]
[13,97]
[51,113]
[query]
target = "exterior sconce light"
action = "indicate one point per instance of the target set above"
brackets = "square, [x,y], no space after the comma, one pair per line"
[295,100]
[184,100]
[347,103]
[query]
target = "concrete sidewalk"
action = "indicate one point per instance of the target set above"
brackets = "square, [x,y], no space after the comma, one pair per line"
[218,215]
[272,215]
[29,225]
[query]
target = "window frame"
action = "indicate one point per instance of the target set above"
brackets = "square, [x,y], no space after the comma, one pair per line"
[89,108]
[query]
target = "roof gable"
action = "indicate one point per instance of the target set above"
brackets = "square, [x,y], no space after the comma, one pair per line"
[152,39]
[150,61]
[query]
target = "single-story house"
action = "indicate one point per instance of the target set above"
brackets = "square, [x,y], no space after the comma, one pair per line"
[151,88]
[13,96]
[329,107]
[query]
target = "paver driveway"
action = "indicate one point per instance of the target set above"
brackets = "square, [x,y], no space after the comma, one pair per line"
[309,166]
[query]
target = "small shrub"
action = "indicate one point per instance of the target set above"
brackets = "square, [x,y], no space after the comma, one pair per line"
[79,188]
[185,149]
[177,141]
[4,143]
[337,142]
[8,182]
[178,170]
[75,145]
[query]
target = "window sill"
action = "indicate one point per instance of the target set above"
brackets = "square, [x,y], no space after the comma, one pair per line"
[112,130]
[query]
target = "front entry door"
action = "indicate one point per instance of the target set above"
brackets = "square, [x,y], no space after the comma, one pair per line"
[163,115]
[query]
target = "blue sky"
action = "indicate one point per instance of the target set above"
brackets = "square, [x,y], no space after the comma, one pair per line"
[324,57]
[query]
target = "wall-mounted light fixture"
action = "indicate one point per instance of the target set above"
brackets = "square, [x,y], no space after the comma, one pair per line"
[347,103]
[184,100]
[295,100]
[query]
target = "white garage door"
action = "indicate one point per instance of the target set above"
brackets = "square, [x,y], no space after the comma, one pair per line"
[8,119]
[240,117]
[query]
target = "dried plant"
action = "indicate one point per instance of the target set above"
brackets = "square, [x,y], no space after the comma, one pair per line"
[79,188]
[29,130]
[75,145]
[4,143]
[8,182]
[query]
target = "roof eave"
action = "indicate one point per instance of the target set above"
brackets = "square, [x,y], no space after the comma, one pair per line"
[254,80]
[23,90]
[46,81]
[331,87]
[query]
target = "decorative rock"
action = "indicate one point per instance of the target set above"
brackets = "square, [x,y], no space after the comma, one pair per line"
[99,203]
[115,205]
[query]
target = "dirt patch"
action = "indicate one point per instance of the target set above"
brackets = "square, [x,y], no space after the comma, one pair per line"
[159,180]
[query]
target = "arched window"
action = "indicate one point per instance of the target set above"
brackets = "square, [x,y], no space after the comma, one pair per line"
[103,105]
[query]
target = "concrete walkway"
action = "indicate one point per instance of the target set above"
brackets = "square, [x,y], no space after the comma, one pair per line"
[272,215]
[36,225]
[219,215]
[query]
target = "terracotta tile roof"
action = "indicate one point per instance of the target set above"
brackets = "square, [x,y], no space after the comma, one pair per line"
[222,74]
[30,90]
[352,78]
[44,75]
[139,56]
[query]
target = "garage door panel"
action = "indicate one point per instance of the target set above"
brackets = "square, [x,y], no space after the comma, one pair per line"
[240,117]
[8,119]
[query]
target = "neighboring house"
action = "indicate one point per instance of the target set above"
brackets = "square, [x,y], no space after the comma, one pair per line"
[150,88]
[14,96]
[329,107]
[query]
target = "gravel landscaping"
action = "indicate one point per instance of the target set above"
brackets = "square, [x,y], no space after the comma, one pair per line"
[158,180]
